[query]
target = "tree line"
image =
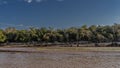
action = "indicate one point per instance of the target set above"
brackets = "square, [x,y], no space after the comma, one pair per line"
[93,33]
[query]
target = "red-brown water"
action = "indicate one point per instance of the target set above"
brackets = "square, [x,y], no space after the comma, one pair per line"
[59,60]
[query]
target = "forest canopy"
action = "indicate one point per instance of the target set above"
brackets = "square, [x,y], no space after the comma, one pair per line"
[93,33]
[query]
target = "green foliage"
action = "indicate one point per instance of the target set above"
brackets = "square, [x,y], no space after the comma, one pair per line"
[93,34]
[2,37]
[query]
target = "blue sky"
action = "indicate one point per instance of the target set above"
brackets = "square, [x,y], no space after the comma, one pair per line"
[58,13]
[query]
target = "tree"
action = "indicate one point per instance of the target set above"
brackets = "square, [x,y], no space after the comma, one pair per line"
[85,33]
[10,33]
[2,37]
[33,34]
[22,36]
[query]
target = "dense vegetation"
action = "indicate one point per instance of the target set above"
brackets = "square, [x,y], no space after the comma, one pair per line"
[95,34]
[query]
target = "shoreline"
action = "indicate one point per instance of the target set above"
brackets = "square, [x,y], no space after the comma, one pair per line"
[60,49]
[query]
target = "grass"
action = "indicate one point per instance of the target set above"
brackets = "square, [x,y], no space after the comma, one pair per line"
[78,48]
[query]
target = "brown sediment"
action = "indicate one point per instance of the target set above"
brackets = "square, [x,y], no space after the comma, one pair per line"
[33,58]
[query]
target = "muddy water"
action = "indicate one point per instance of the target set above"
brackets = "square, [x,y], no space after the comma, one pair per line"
[60,60]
